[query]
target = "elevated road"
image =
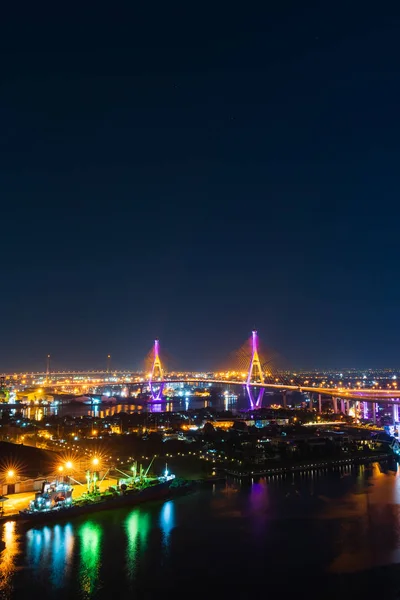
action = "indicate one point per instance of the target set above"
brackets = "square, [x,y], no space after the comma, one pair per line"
[364,394]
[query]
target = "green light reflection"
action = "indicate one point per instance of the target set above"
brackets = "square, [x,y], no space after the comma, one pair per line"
[137,526]
[90,553]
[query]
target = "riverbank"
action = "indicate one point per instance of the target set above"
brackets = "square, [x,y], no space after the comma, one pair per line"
[303,466]
[284,469]
[312,464]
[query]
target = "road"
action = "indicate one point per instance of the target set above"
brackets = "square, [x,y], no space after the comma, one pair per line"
[17,502]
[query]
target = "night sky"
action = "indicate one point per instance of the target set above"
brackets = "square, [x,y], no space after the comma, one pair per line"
[193,173]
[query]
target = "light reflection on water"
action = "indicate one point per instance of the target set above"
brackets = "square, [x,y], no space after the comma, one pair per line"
[50,550]
[137,527]
[90,557]
[338,522]
[37,413]
[8,558]
[167,521]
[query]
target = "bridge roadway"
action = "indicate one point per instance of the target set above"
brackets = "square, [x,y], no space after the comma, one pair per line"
[66,374]
[365,394]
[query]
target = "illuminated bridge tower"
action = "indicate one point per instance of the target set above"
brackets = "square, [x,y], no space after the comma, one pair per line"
[255,374]
[156,375]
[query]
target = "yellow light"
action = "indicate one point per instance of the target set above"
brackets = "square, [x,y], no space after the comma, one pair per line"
[95,461]
[68,464]
[61,469]
[10,473]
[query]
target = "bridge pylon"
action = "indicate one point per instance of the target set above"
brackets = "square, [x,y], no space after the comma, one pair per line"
[255,374]
[156,374]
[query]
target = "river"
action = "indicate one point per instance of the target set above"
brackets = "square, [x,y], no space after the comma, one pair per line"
[227,402]
[316,535]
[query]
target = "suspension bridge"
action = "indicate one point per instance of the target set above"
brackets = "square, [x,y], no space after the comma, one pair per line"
[255,380]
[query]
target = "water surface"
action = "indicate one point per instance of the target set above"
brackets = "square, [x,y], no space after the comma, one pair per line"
[319,535]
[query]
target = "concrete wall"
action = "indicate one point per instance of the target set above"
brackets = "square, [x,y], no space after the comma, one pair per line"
[25,485]
[5,487]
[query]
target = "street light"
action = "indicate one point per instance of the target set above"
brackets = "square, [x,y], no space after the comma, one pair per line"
[95,462]
[10,473]
[60,469]
[69,464]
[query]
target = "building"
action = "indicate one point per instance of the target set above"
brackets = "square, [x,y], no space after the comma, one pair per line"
[15,485]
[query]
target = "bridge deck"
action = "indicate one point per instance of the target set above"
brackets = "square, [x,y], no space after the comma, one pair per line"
[368,395]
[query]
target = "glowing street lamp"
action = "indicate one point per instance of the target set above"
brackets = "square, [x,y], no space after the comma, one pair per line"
[10,474]
[95,462]
[60,469]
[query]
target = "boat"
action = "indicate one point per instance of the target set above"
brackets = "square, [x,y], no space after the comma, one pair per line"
[53,495]
[55,500]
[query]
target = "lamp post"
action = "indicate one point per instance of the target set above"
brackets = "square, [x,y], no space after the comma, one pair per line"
[69,466]
[95,463]
[11,480]
[92,475]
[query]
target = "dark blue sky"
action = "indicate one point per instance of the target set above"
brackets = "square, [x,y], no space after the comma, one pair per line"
[194,173]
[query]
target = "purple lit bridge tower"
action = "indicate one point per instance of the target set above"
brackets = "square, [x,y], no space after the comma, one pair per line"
[255,374]
[156,374]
